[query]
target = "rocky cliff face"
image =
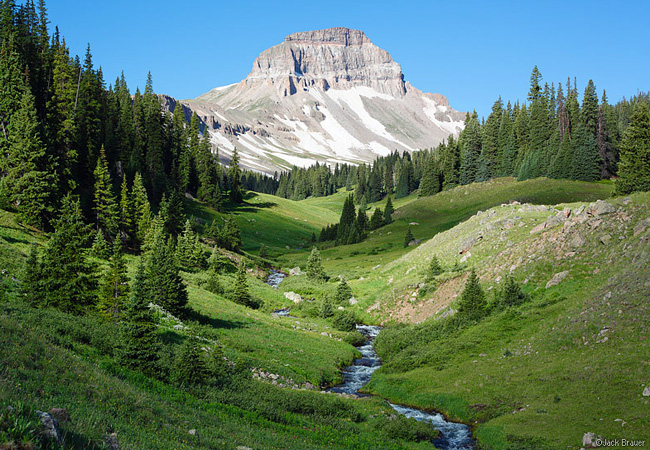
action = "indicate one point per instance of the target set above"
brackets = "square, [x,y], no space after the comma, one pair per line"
[327,95]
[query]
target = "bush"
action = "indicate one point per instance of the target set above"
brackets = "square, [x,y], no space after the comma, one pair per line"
[405,429]
[344,321]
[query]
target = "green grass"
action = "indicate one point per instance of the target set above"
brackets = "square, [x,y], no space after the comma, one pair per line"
[536,376]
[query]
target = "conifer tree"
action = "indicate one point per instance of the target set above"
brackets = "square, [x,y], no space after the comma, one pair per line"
[190,367]
[188,249]
[472,304]
[164,283]
[408,238]
[347,221]
[377,219]
[511,294]
[141,209]
[315,270]
[139,331]
[434,268]
[127,229]
[430,183]
[114,285]
[343,292]
[106,208]
[28,179]
[31,286]
[236,193]
[67,278]
[634,168]
[240,293]
[100,248]
[388,211]
[326,310]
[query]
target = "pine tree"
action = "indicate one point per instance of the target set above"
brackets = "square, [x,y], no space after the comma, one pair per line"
[29,181]
[408,238]
[430,183]
[127,229]
[511,295]
[139,331]
[240,292]
[388,211]
[67,278]
[106,208]
[343,292]
[100,248]
[141,209]
[326,310]
[347,221]
[164,283]
[31,284]
[264,251]
[190,367]
[434,268]
[236,193]
[472,304]
[377,219]
[189,250]
[114,285]
[634,168]
[315,270]
[171,212]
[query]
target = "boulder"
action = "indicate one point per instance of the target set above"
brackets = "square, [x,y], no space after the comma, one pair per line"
[589,440]
[296,298]
[641,226]
[50,427]
[646,391]
[295,271]
[577,241]
[468,244]
[601,207]
[112,442]
[538,228]
[605,239]
[557,279]
[353,301]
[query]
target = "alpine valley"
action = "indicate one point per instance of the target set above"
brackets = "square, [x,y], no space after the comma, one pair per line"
[320,256]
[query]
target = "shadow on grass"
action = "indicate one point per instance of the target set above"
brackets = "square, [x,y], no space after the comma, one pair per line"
[214,322]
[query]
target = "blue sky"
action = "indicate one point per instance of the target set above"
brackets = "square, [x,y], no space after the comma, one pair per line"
[471,51]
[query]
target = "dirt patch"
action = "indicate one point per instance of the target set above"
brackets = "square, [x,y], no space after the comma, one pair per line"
[410,310]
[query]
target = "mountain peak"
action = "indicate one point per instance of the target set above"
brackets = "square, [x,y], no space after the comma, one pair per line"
[334,36]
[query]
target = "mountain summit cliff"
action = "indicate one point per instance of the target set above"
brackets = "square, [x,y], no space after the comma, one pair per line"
[328,95]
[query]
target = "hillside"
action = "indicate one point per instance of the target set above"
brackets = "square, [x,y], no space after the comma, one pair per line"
[569,361]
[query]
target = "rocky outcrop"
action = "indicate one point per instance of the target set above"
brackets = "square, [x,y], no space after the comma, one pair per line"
[557,279]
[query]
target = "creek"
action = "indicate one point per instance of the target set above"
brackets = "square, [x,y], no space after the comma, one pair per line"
[452,435]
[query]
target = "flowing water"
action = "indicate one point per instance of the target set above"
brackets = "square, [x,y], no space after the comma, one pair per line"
[453,436]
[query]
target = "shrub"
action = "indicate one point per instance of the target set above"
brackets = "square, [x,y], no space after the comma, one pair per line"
[344,321]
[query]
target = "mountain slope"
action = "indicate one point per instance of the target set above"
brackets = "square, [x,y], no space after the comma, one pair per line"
[329,96]
[569,361]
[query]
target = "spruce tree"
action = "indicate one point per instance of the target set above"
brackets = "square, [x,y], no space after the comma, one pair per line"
[326,310]
[343,292]
[189,250]
[31,284]
[29,180]
[139,330]
[100,248]
[430,183]
[408,237]
[190,367]
[511,295]
[67,278]
[127,229]
[472,304]
[634,168]
[164,283]
[106,208]
[236,193]
[388,211]
[114,285]
[315,270]
[434,268]
[240,293]
[377,219]
[141,210]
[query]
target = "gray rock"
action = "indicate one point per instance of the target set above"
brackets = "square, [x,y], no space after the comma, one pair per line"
[646,391]
[641,226]
[295,271]
[353,301]
[554,221]
[605,239]
[415,242]
[577,241]
[193,432]
[557,279]
[469,243]
[112,442]
[601,207]
[51,427]
[296,298]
